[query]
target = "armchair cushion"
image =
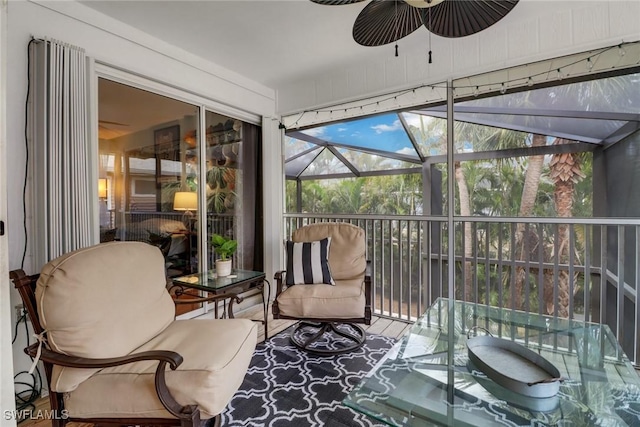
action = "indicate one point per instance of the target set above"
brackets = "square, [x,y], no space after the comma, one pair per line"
[206,378]
[308,262]
[345,300]
[347,258]
[112,312]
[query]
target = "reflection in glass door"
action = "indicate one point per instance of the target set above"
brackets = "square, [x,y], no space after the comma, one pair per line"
[148,173]
[234,192]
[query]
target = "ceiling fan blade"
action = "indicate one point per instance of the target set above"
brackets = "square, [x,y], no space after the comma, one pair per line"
[462,18]
[382,22]
[336,2]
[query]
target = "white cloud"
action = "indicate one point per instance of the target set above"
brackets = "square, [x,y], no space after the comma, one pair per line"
[342,129]
[407,150]
[315,131]
[386,128]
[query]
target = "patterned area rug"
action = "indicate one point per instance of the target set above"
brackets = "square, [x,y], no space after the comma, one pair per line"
[286,386]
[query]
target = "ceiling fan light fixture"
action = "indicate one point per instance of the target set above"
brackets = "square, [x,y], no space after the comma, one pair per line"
[422,4]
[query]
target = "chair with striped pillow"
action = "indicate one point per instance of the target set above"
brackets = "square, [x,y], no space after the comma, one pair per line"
[327,286]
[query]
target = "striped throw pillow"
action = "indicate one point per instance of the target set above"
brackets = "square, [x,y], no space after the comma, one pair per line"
[308,262]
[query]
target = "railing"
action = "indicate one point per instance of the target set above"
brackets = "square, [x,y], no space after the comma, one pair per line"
[549,266]
[140,223]
[148,226]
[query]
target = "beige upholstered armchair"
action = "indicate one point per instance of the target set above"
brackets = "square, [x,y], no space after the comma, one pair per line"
[329,306]
[110,333]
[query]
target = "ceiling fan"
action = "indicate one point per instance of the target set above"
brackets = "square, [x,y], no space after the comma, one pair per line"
[107,122]
[386,21]
[108,129]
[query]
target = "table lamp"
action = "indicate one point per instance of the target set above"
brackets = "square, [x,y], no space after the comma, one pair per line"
[186,201]
[103,192]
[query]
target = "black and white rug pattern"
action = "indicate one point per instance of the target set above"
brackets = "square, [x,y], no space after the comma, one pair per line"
[286,386]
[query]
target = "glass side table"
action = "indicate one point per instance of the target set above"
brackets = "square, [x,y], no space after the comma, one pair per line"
[426,378]
[226,287]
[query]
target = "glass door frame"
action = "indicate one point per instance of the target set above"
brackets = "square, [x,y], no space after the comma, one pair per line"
[100,70]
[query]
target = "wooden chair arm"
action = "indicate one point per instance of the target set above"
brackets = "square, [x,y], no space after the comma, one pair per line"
[163,357]
[171,357]
[279,278]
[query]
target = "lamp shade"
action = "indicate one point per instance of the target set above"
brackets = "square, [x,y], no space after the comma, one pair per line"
[102,188]
[185,201]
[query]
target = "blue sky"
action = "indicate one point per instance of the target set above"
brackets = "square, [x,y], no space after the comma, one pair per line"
[384,132]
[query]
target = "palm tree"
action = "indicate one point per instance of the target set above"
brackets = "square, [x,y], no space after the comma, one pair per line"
[527,202]
[347,196]
[565,171]
[465,210]
[486,138]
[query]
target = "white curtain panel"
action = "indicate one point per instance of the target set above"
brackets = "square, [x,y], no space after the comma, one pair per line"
[61,145]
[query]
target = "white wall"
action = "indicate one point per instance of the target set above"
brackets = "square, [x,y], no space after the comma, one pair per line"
[7,401]
[532,31]
[112,43]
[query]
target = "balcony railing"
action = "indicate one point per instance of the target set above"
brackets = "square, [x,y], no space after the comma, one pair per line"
[582,269]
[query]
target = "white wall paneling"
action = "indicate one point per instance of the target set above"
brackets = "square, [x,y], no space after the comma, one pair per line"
[7,399]
[535,30]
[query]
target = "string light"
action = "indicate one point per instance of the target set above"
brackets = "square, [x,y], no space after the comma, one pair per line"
[589,63]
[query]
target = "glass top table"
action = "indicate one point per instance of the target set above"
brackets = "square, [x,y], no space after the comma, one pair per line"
[238,281]
[208,281]
[426,379]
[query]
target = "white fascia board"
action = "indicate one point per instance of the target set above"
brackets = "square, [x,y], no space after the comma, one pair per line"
[89,16]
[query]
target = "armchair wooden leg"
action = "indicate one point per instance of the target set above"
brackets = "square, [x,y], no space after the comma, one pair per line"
[190,417]
[213,422]
[354,337]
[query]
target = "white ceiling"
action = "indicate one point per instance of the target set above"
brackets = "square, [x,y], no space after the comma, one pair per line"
[269,41]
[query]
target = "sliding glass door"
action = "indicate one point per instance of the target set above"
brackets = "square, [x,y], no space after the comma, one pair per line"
[149,164]
[147,173]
